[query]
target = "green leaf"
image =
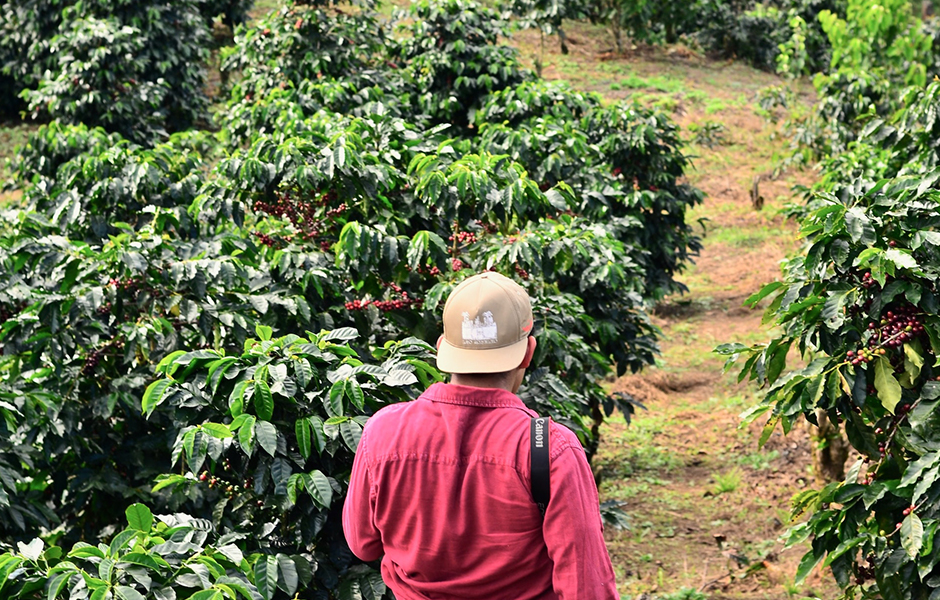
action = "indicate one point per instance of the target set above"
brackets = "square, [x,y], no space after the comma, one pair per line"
[916,469]
[901,258]
[354,392]
[319,488]
[236,400]
[807,564]
[777,361]
[106,569]
[267,436]
[926,483]
[912,535]
[832,312]
[56,585]
[246,435]
[144,560]
[319,438]
[352,433]
[217,430]
[164,365]
[263,332]
[293,483]
[264,403]
[128,593]
[349,590]
[170,480]
[217,369]
[287,574]
[122,539]
[303,373]
[86,551]
[418,249]
[844,547]
[335,402]
[839,251]
[913,362]
[304,441]
[153,395]
[372,586]
[868,256]
[139,517]
[266,576]
[767,431]
[889,390]
[765,291]
[343,334]
[237,585]
[859,226]
[930,237]
[100,593]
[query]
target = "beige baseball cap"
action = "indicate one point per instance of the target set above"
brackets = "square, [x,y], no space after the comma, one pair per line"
[487,319]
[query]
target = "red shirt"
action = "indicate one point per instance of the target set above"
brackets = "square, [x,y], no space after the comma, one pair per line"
[441,487]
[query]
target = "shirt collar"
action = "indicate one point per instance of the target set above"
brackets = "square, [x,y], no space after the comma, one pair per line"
[472,396]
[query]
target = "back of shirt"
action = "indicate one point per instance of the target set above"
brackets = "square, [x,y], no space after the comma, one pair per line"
[452,504]
[441,486]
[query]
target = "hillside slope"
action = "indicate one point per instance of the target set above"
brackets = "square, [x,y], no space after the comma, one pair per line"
[706,505]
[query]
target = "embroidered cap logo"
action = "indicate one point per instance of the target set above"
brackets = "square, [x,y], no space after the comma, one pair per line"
[479,331]
[487,320]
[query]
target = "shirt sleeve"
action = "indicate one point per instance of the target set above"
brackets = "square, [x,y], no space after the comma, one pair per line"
[363,538]
[573,529]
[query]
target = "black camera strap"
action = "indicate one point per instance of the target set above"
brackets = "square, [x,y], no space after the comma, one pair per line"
[538,446]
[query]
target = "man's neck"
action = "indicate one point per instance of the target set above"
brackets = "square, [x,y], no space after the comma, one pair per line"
[483,381]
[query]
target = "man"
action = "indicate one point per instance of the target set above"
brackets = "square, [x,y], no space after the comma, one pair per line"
[440,487]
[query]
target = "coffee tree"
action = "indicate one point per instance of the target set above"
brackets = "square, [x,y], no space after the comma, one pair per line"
[267,439]
[101,282]
[166,556]
[135,68]
[878,48]
[860,304]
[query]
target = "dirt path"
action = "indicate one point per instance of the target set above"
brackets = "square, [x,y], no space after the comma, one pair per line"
[706,505]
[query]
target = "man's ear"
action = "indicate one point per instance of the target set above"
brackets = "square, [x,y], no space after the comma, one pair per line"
[440,340]
[529,352]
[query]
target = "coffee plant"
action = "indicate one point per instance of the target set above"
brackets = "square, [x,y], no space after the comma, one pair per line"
[878,49]
[270,435]
[860,305]
[453,58]
[134,68]
[162,556]
[741,29]
[755,32]
[547,16]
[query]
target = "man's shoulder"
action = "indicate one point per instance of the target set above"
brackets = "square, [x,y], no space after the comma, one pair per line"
[389,414]
[561,439]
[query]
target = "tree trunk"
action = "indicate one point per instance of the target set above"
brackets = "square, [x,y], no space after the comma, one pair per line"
[830,449]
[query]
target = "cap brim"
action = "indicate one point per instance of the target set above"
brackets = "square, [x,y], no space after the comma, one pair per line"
[452,359]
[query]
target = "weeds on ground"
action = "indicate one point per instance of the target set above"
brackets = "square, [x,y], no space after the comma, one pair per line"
[682,594]
[759,461]
[725,483]
[709,134]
